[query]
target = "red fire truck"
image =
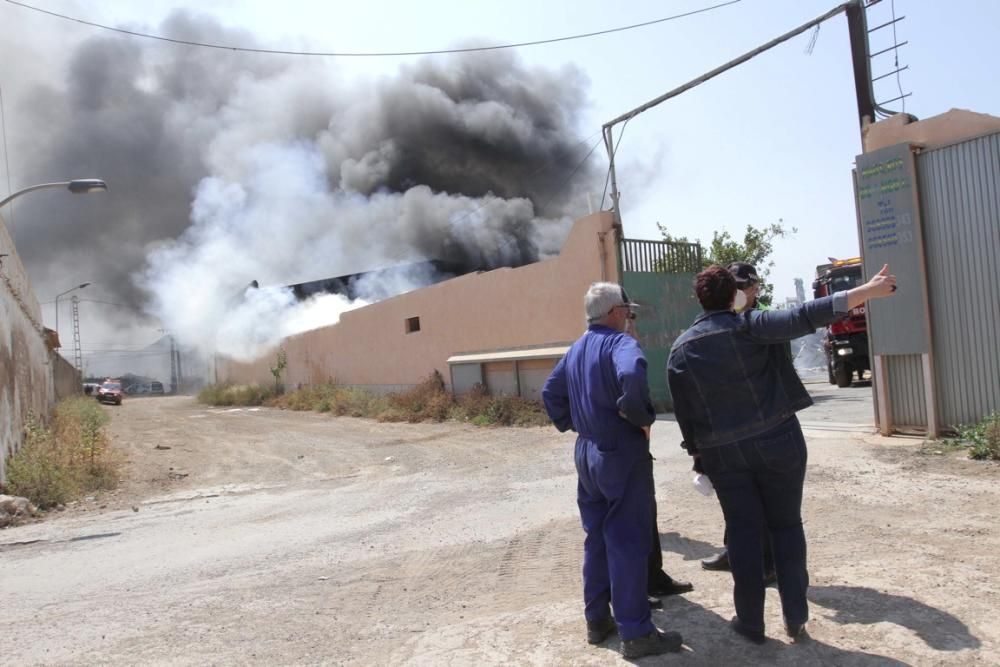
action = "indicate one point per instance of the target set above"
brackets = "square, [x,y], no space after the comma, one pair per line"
[846,343]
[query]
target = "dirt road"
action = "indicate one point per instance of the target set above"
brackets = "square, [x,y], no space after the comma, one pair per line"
[269,537]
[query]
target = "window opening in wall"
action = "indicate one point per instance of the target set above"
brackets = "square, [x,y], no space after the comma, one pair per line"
[412,324]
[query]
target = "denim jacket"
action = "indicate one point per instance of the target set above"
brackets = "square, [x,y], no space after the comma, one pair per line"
[729,374]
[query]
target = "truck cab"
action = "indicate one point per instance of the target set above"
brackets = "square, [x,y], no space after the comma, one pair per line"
[846,343]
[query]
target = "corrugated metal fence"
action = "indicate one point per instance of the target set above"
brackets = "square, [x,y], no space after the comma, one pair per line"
[659,275]
[960,208]
[906,400]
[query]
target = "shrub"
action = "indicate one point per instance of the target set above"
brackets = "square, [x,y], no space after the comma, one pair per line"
[328,397]
[983,438]
[428,401]
[234,394]
[353,402]
[70,457]
[481,409]
[306,398]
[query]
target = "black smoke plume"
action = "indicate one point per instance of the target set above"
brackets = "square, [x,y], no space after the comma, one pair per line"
[228,167]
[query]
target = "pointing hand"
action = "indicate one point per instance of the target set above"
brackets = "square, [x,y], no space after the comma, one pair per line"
[882,284]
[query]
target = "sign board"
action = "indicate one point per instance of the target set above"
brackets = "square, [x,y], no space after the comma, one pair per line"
[889,222]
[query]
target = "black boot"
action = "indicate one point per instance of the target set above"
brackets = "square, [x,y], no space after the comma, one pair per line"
[719,562]
[598,631]
[655,643]
[664,585]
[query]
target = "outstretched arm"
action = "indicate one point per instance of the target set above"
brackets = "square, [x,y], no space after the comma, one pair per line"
[881,285]
[777,326]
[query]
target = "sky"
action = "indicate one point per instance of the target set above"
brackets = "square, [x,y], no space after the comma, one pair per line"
[772,140]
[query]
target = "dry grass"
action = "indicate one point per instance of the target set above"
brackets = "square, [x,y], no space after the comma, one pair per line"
[235,394]
[429,401]
[66,459]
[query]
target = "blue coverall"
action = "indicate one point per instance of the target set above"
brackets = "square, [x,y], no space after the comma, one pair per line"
[599,390]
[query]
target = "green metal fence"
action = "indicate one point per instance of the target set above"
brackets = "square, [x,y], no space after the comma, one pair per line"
[659,275]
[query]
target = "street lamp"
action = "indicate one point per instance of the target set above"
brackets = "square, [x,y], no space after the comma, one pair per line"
[77,186]
[71,289]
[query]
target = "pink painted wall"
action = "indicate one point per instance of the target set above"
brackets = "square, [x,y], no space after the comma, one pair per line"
[537,304]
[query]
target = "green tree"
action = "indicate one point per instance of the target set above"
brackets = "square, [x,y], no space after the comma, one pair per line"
[756,247]
[280,363]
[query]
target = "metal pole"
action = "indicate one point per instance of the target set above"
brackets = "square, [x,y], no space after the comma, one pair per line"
[857,32]
[609,126]
[180,372]
[40,186]
[729,65]
[77,349]
[173,367]
[80,185]
[609,143]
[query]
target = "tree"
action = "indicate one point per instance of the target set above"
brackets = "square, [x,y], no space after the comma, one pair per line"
[755,248]
[280,363]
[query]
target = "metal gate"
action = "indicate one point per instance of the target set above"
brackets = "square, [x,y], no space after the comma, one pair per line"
[659,275]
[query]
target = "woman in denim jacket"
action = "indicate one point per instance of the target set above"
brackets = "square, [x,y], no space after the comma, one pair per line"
[735,395]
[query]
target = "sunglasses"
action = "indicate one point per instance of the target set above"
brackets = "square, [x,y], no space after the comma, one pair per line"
[631,313]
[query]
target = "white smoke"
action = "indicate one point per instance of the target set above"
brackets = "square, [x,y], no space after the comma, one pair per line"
[296,176]
[277,222]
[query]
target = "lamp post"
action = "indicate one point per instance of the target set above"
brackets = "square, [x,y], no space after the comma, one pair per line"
[76,186]
[71,289]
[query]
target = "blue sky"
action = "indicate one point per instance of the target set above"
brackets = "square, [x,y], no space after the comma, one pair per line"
[773,139]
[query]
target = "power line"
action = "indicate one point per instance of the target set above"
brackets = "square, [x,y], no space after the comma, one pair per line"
[363,54]
[126,354]
[566,180]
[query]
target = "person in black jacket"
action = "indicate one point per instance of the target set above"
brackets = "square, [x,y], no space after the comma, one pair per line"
[747,282]
[735,397]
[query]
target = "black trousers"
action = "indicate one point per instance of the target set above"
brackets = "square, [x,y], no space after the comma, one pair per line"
[765,537]
[655,575]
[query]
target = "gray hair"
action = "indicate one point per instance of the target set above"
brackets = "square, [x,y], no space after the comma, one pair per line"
[600,299]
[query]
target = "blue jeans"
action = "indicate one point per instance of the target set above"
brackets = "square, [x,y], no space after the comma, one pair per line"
[759,482]
[614,490]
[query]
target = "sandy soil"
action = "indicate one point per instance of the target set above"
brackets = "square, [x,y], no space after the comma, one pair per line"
[269,537]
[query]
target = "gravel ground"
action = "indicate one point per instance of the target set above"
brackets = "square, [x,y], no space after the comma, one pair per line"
[271,537]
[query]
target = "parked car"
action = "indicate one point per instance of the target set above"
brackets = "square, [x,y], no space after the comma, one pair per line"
[110,392]
[90,388]
[153,388]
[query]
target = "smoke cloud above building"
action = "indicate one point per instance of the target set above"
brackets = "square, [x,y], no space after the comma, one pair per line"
[226,168]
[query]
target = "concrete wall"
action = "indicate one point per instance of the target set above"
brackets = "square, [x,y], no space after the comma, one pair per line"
[25,364]
[66,379]
[537,304]
[941,130]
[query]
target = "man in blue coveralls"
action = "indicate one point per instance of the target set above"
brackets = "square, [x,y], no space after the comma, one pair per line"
[599,390]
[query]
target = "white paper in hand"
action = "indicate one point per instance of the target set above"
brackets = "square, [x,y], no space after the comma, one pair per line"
[703,484]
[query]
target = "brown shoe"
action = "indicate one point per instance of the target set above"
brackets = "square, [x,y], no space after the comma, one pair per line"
[655,643]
